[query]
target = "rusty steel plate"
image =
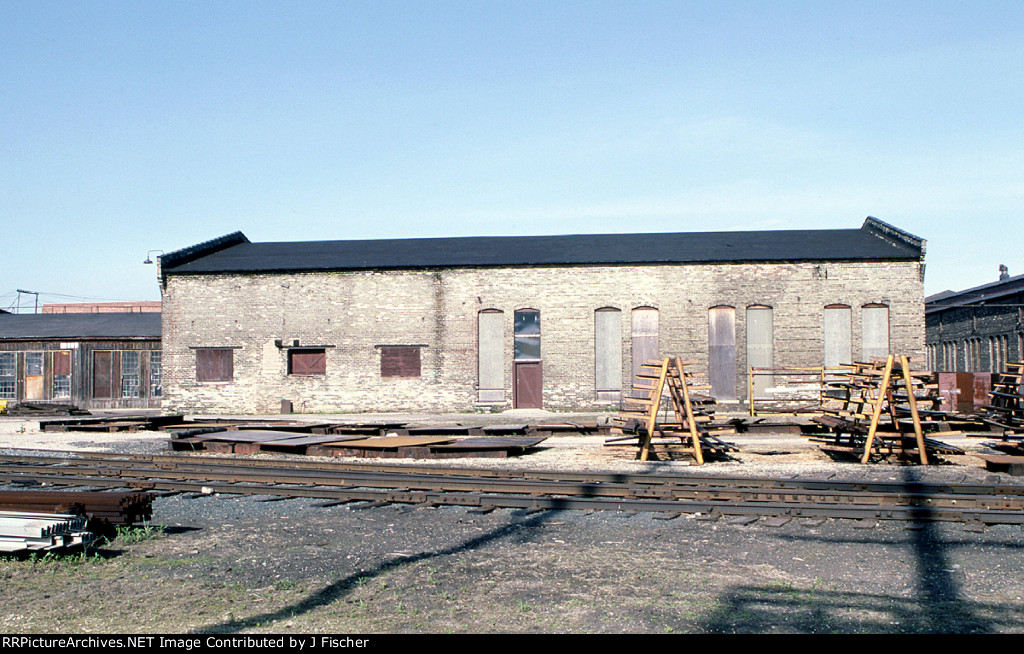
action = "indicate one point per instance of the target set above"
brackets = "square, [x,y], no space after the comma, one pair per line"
[395,441]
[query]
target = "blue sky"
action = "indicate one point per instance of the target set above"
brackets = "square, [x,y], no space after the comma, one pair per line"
[132,126]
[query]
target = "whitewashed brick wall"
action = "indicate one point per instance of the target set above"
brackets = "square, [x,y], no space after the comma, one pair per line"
[352,312]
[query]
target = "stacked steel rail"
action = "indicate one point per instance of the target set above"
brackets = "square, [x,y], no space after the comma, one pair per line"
[877,412]
[24,531]
[105,510]
[1006,408]
[1005,413]
[692,429]
[671,494]
[791,391]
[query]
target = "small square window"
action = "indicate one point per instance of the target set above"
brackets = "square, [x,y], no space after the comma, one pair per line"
[399,360]
[307,362]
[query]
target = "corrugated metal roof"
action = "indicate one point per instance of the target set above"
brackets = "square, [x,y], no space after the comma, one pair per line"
[45,326]
[234,253]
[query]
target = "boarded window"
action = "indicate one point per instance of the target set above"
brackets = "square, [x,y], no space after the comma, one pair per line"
[875,328]
[214,365]
[838,335]
[644,340]
[307,362]
[490,356]
[399,360]
[608,353]
[760,346]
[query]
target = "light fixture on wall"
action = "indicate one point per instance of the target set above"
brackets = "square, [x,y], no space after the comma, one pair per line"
[148,260]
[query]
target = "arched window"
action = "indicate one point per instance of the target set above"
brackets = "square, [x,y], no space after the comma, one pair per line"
[608,353]
[490,356]
[874,331]
[644,338]
[838,335]
[760,345]
[722,352]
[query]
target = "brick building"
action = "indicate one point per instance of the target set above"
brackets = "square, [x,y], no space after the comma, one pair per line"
[976,330]
[559,322]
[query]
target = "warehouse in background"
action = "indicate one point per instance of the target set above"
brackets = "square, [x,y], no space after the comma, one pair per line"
[972,334]
[553,322]
[102,360]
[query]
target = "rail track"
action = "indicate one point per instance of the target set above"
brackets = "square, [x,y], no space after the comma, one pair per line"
[380,484]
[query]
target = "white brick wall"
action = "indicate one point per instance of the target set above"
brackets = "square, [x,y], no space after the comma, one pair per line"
[352,312]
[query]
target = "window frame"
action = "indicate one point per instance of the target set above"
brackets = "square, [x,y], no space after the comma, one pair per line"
[401,361]
[9,380]
[313,361]
[226,367]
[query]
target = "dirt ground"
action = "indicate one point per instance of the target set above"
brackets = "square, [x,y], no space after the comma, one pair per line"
[229,564]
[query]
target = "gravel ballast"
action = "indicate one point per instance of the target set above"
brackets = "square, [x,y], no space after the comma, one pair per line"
[229,564]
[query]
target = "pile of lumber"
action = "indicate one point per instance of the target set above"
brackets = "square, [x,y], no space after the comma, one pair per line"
[689,424]
[879,409]
[30,409]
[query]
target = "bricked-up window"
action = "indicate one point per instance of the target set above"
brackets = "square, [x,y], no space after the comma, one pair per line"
[874,331]
[608,353]
[838,335]
[399,360]
[214,365]
[491,356]
[307,362]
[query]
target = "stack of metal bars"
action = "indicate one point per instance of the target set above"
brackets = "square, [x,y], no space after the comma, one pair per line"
[26,531]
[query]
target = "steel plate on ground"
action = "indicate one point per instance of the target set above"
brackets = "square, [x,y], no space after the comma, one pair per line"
[492,443]
[396,441]
[251,436]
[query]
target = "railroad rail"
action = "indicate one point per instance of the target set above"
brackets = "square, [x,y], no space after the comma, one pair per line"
[710,495]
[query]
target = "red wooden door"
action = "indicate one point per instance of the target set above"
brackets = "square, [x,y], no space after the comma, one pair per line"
[528,385]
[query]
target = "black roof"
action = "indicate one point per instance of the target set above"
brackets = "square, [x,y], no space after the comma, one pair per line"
[989,293]
[875,240]
[47,326]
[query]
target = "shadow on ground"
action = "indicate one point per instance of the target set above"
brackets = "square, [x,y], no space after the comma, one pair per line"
[339,589]
[937,604]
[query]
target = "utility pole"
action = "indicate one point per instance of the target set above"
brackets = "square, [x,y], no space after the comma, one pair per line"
[20,291]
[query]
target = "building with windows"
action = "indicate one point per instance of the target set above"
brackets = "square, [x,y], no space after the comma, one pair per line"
[980,329]
[556,322]
[90,360]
